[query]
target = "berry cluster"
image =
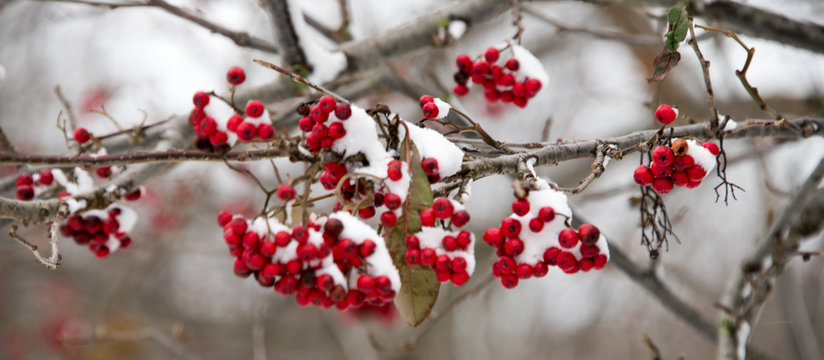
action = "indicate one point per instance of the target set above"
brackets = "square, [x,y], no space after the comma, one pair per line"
[216,128]
[510,83]
[386,199]
[104,231]
[684,163]
[434,108]
[536,237]
[336,260]
[29,185]
[314,122]
[450,253]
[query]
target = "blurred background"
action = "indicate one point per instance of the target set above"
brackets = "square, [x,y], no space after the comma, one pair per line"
[172,294]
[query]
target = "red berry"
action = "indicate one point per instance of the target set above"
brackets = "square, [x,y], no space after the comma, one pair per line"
[586,265]
[282,238]
[268,248]
[367,212]
[246,131]
[201,99]
[683,162]
[460,89]
[427,217]
[566,260]
[663,155]
[265,131]
[514,247]
[300,233]
[336,130]
[546,214]
[479,68]
[327,104]
[510,227]
[394,173]
[519,89]
[442,263]
[600,261]
[568,238]
[430,166]
[430,111]
[464,63]
[523,271]
[696,173]
[24,179]
[285,192]
[223,218]
[588,251]
[25,192]
[306,124]
[442,208]
[366,283]
[412,242]
[460,278]
[392,201]
[428,256]
[540,270]
[491,55]
[426,99]
[460,218]
[643,175]
[589,234]
[660,170]
[662,185]
[367,248]
[712,148]
[536,225]
[512,64]
[254,108]
[533,86]
[81,135]
[218,138]
[413,257]
[464,239]
[680,178]
[494,237]
[665,114]
[46,177]
[450,243]
[509,281]
[235,76]
[388,219]
[520,207]
[343,111]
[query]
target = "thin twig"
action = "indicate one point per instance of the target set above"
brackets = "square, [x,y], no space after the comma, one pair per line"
[33,248]
[67,107]
[705,68]
[598,167]
[301,80]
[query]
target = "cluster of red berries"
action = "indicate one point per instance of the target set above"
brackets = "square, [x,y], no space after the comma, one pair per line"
[26,183]
[676,165]
[354,189]
[499,82]
[320,135]
[101,230]
[213,134]
[322,263]
[434,108]
[449,253]
[535,238]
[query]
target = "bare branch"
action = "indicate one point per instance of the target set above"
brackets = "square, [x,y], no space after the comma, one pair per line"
[285,35]
[705,68]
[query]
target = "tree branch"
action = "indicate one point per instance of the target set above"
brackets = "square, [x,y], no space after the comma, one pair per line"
[285,35]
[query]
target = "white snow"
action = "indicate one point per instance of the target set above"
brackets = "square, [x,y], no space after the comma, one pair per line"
[443,108]
[730,125]
[380,262]
[431,143]
[741,336]
[326,65]
[456,28]
[361,136]
[530,66]
[75,205]
[701,155]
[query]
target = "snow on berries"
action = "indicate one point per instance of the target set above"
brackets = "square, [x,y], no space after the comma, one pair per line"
[666,114]
[335,260]
[518,79]
[451,253]
[103,231]
[440,157]
[684,163]
[535,238]
[434,108]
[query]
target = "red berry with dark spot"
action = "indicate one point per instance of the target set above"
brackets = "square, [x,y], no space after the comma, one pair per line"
[285,192]
[494,237]
[659,170]
[300,233]
[464,63]
[25,192]
[388,219]
[306,124]
[81,135]
[367,248]
[464,239]
[546,214]
[589,234]
[235,76]
[680,178]
[265,131]
[201,99]
[430,166]
[512,64]
[336,130]
[367,212]
[327,104]
[343,111]
[442,208]
[46,177]
[491,55]
[568,238]
[665,114]
[412,242]
[566,261]
[460,218]
[509,281]
[514,247]
[24,179]
[663,155]
[246,131]
[520,207]
[413,257]
[524,271]
[510,227]
[430,111]
[536,225]
[254,108]
[426,99]
[450,243]
[392,201]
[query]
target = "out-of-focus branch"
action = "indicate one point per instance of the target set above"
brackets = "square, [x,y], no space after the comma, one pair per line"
[240,38]
[552,153]
[752,283]
[629,39]
[6,145]
[285,35]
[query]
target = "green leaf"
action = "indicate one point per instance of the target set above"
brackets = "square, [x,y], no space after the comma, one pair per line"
[419,284]
[678,25]
[675,14]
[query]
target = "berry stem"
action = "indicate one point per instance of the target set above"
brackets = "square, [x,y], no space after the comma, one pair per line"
[301,80]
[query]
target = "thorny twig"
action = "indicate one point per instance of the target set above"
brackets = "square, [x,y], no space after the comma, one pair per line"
[742,74]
